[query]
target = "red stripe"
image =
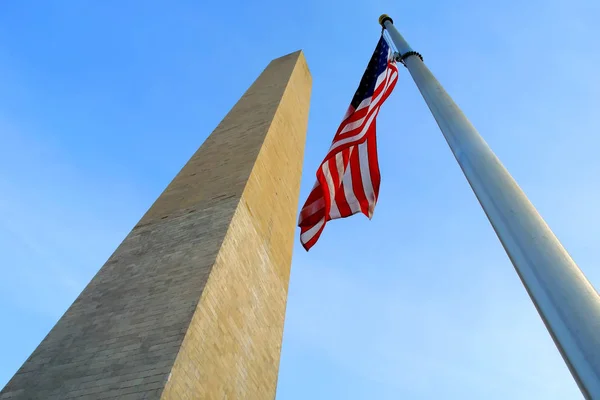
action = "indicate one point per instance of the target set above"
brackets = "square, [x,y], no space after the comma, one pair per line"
[311,242]
[357,186]
[387,82]
[340,195]
[310,220]
[353,118]
[314,195]
[359,140]
[371,110]
[333,170]
[326,194]
[373,162]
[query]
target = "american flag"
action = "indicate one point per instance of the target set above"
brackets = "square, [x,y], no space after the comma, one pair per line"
[348,178]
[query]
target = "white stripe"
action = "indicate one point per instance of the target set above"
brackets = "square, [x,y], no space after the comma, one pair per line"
[339,163]
[333,210]
[354,138]
[312,208]
[365,103]
[349,190]
[382,76]
[353,125]
[372,111]
[365,173]
[392,79]
[351,110]
[309,234]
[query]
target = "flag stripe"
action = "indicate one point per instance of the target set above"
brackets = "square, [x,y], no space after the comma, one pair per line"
[374,164]
[311,235]
[353,204]
[331,188]
[365,175]
[357,184]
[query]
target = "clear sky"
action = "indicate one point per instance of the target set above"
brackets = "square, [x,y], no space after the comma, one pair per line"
[101,103]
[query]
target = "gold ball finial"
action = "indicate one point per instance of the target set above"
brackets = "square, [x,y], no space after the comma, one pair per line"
[383,18]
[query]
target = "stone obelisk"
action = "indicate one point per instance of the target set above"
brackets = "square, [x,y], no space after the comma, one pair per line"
[191,304]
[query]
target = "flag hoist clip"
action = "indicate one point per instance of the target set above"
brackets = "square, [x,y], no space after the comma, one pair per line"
[401,54]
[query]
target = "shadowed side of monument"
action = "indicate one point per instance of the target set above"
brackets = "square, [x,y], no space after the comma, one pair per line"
[192,303]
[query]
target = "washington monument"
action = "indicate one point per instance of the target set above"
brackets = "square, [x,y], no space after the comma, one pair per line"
[191,304]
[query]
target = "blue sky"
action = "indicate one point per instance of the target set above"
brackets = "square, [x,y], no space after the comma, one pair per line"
[101,103]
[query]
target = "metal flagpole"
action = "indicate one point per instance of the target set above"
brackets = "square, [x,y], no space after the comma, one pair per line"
[567,302]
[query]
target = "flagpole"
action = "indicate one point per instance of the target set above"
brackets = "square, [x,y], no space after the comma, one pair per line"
[567,302]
